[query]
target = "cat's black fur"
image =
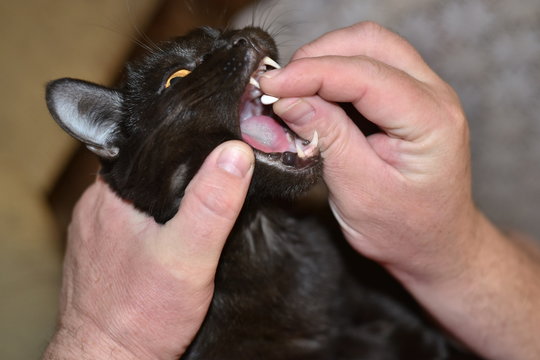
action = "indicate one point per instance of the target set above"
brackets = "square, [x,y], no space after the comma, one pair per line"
[286,288]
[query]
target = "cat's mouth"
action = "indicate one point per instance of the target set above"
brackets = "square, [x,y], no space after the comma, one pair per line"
[266,133]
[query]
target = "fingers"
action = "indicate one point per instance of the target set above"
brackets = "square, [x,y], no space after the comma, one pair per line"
[336,131]
[343,146]
[371,40]
[194,238]
[395,101]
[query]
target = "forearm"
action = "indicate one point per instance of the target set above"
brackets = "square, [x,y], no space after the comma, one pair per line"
[493,305]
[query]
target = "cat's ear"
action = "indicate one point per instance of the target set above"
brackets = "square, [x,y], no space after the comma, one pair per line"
[88,112]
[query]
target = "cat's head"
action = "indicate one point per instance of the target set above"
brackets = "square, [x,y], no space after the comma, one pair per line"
[174,107]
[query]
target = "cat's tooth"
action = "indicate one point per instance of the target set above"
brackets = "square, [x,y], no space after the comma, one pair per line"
[254,82]
[268,100]
[290,137]
[270,62]
[314,140]
[312,148]
[311,151]
[299,151]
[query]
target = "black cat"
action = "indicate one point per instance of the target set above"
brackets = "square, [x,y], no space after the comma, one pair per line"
[286,288]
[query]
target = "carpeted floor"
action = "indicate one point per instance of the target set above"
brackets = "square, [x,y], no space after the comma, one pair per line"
[488,50]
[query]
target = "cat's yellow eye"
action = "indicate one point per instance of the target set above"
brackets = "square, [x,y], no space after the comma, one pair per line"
[180,73]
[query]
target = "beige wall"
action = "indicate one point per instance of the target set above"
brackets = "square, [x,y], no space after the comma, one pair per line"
[41,41]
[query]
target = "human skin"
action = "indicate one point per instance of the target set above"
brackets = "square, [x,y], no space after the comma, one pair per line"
[134,289]
[403,196]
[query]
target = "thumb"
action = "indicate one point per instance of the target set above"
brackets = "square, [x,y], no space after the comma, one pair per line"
[194,238]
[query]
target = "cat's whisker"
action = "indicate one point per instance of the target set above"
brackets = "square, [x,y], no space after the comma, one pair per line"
[145,41]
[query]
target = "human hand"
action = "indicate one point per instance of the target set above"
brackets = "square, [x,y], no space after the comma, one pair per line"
[134,289]
[403,196]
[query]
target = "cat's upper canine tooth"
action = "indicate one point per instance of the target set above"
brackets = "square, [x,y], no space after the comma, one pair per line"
[268,61]
[254,82]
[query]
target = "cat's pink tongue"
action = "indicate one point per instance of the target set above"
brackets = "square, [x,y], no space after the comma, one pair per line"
[265,134]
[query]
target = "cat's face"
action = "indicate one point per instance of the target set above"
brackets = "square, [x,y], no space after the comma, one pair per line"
[175,106]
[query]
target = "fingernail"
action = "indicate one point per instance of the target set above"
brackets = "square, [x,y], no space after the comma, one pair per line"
[235,160]
[294,110]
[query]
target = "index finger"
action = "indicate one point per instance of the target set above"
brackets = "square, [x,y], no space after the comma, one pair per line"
[371,40]
[400,104]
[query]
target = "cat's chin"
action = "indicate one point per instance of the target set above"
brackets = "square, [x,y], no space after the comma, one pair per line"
[272,180]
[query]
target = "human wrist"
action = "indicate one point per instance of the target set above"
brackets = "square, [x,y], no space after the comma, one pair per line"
[489,303]
[447,254]
[79,339]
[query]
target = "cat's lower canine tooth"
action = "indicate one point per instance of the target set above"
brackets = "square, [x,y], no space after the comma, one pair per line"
[312,148]
[314,140]
[299,151]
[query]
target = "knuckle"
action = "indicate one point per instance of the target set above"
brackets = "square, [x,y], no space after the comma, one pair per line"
[452,105]
[368,28]
[303,52]
[373,68]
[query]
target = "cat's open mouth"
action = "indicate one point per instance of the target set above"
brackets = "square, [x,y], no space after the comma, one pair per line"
[268,135]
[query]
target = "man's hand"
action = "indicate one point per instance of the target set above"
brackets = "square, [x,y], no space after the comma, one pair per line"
[403,196]
[134,289]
